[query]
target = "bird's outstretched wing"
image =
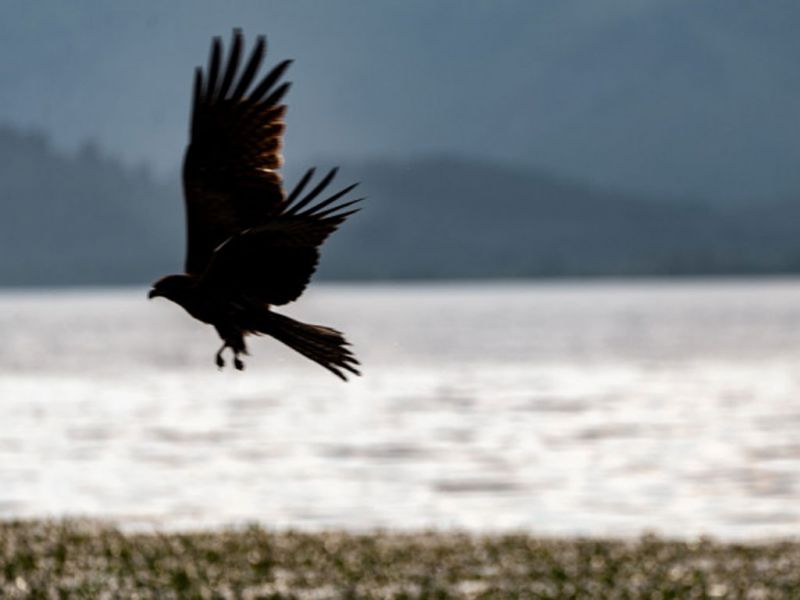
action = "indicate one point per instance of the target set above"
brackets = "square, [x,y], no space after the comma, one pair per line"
[230,173]
[273,263]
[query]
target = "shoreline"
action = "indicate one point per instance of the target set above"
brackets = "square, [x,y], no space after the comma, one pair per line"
[45,558]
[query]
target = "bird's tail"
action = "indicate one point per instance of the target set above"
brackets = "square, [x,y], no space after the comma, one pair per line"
[323,345]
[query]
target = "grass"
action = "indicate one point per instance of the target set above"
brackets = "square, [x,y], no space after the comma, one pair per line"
[78,559]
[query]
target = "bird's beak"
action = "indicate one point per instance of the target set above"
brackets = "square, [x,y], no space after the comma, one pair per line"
[153,294]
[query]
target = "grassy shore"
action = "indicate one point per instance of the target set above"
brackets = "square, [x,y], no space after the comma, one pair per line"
[76,559]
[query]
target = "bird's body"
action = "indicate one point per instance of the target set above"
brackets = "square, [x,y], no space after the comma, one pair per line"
[249,246]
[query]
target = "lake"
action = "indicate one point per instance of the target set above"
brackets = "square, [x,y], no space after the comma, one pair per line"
[597,408]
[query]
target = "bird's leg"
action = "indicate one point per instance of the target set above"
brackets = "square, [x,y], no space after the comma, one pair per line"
[237,362]
[218,358]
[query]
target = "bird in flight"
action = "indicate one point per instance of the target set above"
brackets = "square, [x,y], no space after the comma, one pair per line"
[250,246]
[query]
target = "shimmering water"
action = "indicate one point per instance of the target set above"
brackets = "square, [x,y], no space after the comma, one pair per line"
[593,408]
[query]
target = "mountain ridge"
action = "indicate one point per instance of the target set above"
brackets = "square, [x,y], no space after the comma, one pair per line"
[85,219]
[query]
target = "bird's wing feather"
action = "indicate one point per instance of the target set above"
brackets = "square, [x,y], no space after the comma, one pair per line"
[230,176]
[273,263]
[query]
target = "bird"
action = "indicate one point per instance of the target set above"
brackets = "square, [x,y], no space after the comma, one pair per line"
[249,245]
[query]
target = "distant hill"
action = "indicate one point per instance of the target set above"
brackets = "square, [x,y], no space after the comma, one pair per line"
[86,219]
[449,218]
[83,219]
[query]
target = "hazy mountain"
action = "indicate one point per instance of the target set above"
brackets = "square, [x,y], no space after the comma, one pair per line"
[80,219]
[85,219]
[460,218]
[669,98]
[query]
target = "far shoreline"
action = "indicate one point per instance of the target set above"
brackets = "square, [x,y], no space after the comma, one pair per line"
[412,283]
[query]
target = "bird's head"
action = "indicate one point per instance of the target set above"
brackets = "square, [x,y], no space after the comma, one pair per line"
[172,287]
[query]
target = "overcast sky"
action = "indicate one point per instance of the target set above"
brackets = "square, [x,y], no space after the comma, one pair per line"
[672,97]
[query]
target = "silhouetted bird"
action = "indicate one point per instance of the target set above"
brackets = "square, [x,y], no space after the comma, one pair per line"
[249,246]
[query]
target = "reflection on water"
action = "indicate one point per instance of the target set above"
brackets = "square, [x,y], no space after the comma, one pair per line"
[601,408]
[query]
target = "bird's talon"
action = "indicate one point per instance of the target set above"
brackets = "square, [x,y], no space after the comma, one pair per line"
[237,362]
[220,361]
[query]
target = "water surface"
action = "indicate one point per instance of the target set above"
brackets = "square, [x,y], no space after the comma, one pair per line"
[591,408]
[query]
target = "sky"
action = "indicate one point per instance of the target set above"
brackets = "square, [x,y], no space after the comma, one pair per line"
[673,98]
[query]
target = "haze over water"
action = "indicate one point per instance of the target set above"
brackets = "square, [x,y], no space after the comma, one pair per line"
[588,408]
